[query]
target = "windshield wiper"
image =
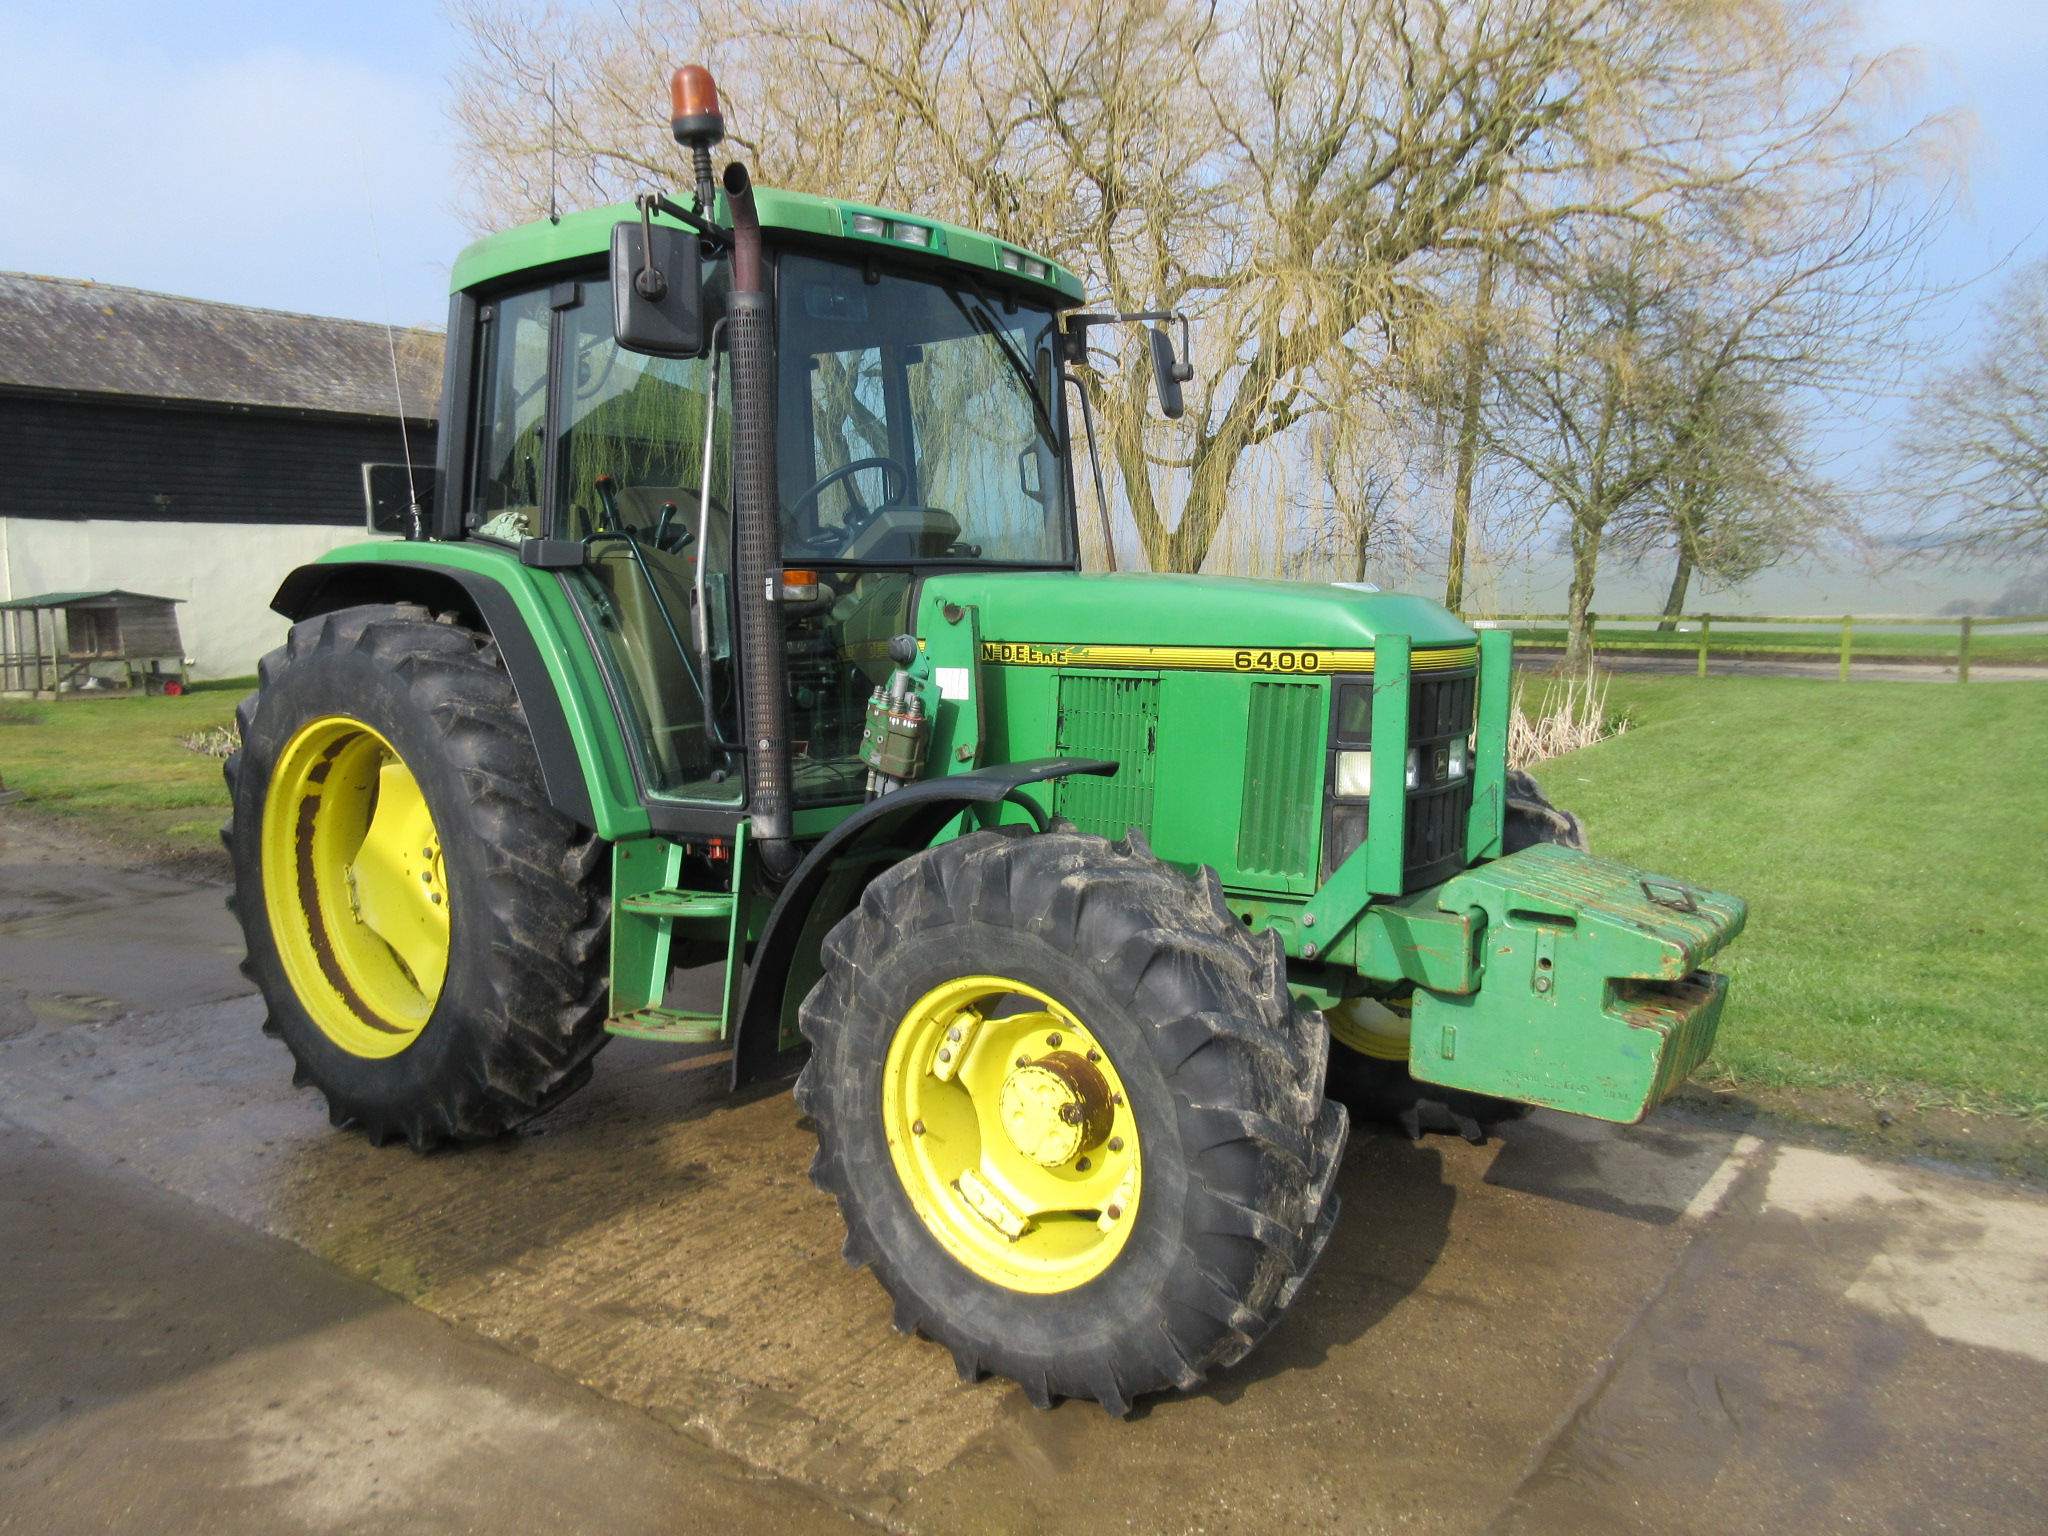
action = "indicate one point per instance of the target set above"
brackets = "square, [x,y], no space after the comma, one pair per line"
[984,320]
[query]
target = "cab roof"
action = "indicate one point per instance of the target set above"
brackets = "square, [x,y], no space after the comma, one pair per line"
[589,233]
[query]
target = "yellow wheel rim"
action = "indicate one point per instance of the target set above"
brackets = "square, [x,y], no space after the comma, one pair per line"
[353,878]
[1012,1135]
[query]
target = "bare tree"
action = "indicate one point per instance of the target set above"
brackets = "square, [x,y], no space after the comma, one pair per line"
[1975,454]
[1739,495]
[1333,188]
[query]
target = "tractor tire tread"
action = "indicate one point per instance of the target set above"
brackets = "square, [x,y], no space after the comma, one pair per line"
[545,904]
[1242,1063]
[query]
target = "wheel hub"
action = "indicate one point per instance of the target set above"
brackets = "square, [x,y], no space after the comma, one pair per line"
[1055,1108]
[1010,1128]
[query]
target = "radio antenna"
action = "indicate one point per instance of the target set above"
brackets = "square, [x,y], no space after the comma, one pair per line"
[412,491]
[554,175]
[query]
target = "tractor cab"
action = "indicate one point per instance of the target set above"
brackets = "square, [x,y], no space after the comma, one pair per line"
[919,427]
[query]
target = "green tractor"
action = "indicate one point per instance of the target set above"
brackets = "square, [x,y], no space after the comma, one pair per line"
[743,636]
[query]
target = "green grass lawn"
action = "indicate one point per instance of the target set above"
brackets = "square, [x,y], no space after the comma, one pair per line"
[1891,839]
[117,765]
[1823,642]
[1892,842]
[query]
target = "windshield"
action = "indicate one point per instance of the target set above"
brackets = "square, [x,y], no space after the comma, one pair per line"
[917,421]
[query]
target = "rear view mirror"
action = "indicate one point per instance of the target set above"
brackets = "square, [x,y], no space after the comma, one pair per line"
[657,295]
[1167,374]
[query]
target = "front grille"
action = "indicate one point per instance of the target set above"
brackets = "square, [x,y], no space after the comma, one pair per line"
[1441,706]
[1440,711]
[1436,834]
[1115,717]
[1276,821]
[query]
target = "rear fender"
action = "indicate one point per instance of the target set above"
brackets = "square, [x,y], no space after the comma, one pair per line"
[828,885]
[583,756]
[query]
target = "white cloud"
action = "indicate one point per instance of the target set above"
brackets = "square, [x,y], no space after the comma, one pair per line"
[242,179]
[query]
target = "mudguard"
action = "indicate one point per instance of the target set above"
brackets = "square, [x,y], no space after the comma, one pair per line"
[583,761]
[828,884]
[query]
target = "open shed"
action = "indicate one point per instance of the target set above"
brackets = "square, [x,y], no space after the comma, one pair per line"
[111,641]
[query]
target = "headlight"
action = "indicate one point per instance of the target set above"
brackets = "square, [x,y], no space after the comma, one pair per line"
[1461,757]
[1354,775]
[1415,767]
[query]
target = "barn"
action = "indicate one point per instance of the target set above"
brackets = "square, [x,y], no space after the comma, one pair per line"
[174,446]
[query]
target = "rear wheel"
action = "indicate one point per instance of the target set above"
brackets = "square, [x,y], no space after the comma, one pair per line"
[427,931]
[1071,1114]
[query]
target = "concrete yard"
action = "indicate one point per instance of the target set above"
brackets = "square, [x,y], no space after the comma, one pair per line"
[219,1314]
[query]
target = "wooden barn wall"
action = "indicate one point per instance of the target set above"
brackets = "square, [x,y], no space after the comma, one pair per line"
[69,459]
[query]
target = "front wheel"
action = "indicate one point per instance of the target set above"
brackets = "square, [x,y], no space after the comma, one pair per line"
[1071,1114]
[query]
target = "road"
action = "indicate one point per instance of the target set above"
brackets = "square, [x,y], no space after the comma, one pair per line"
[218,1313]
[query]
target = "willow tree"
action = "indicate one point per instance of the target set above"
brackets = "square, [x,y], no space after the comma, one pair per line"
[1317,182]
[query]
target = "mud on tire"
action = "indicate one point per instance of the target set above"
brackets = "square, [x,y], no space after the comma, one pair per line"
[1224,1074]
[520,1013]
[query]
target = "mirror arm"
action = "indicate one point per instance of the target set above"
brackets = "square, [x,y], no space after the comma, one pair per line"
[654,202]
[1095,464]
[1183,370]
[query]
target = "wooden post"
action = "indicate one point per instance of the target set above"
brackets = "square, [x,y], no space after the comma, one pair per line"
[1846,623]
[1706,629]
[1963,651]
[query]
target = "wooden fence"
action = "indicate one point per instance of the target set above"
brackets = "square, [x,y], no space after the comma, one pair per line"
[1965,626]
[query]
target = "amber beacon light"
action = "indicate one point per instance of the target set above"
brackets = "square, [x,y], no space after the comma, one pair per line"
[694,117]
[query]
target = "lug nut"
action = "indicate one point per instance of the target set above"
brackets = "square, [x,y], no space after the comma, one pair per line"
[1116,1098]
[944,1054]
[1053,1041]
[1023,1061]
[1081,1165]
[1115,1213]
[917,1127]
[1094,1055]
[1116,1143]
[953,1033]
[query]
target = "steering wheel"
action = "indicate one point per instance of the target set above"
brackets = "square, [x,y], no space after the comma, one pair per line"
[833,477]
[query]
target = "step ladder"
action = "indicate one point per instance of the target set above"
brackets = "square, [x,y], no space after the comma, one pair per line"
[647,907]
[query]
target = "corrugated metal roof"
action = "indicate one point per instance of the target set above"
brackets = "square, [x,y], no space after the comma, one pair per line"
[112,597]
[63,333]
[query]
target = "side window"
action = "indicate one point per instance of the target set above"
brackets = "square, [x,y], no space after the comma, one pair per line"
[511,417]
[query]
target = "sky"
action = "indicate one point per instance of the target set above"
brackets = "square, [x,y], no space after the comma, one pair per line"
[299,156]
[289,155]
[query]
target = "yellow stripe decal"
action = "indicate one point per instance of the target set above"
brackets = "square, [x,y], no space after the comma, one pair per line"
[1290,661]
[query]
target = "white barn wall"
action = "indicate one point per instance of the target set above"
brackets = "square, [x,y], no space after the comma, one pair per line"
[226,572]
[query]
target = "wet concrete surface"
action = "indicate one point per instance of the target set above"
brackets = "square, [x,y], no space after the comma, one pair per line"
[1575,1328]
[163,1368]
